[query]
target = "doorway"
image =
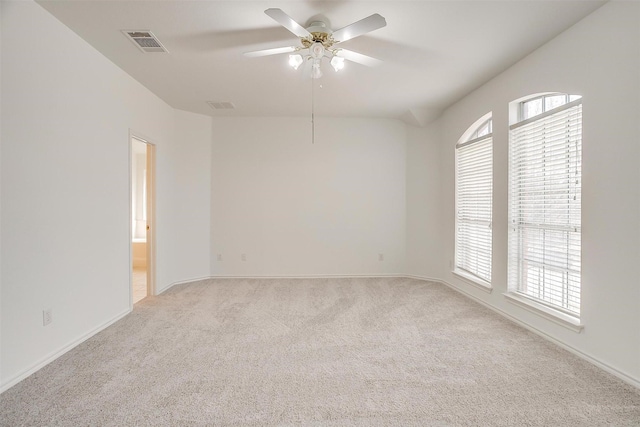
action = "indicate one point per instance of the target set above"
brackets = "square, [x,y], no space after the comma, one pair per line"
[142,161]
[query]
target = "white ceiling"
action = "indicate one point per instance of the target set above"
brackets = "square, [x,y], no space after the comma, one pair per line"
[434,52]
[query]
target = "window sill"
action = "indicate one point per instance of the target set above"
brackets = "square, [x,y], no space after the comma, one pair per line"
[548,313]
[474,281]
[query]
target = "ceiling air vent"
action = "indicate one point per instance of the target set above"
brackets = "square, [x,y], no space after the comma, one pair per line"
[145,41]
[221,105]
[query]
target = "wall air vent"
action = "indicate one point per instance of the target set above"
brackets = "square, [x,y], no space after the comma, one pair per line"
[145,41]
[221,105]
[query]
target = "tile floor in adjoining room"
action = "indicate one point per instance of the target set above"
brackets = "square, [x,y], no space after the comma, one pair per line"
[139,283]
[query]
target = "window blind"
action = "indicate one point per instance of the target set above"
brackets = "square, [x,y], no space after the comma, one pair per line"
[545,202]
[474,189]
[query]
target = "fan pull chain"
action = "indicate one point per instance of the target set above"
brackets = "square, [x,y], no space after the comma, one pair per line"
[313,123]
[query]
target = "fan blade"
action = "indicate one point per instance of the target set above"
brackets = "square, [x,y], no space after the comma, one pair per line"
[359,28]
[350,55]
[267,52]
[286,21]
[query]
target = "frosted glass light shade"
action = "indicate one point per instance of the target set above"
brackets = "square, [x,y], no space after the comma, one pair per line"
[295,61]
[337,63]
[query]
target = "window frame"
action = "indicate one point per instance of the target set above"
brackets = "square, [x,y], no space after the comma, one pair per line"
[554,312]
[472,138]
[521,105]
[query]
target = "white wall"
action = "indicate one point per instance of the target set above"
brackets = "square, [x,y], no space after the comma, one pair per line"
[302,209]
[66,116]
[598,58]
[184,172]
[1,13]
[424,249]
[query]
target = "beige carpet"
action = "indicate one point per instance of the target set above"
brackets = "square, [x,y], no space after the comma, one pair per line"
[364,352]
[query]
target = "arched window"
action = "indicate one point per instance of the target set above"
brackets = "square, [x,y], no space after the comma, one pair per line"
[474,190]
[545,179]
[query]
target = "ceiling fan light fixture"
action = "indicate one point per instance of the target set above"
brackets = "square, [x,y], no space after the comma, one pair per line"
[337,63]
[317,50]
[318,40]
[295,61]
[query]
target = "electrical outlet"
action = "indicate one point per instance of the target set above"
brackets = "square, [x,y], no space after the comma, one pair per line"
[380,257]
[219,257]
[47,317]
[243,257]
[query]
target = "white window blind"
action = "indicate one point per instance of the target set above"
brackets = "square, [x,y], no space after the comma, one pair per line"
[474,188]
[545,200]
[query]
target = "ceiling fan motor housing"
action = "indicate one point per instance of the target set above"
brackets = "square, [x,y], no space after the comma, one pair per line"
[318,27]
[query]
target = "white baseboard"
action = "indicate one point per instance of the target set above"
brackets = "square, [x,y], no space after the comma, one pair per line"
[426,279]
[57,353]
[591,359]
[181,282]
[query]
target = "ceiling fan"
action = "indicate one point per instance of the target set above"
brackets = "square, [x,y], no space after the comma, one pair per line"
[317,41]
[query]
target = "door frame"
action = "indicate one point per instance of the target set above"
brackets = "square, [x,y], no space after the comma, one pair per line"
[151,214]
